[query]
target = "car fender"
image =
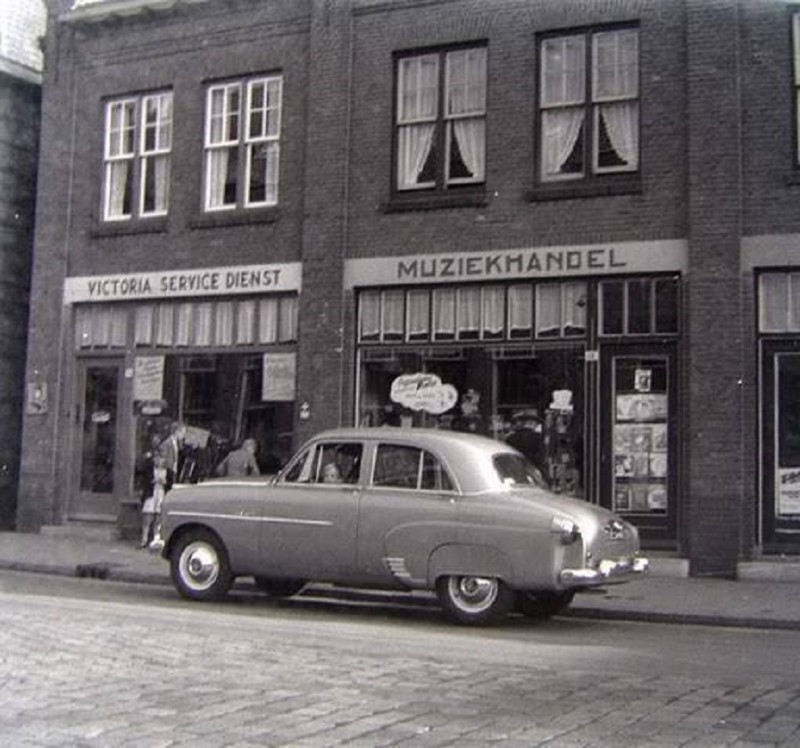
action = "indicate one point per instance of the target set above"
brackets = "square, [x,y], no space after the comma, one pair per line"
[468,559]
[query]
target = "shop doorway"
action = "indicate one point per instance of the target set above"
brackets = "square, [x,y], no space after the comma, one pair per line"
[638,449]
[99,479]
[780,450]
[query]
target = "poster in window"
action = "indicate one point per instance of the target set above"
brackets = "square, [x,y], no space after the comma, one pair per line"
[656,497]
[641,407]
[788,491]
[148,378]
[278,382]
[622,498]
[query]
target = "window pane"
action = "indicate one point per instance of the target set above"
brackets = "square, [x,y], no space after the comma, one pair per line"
[466,81]
[419,308]
[444,314]
[493,312]
[288,307]
[245,322]
[548,311]
[155,185]
[417,90]
[434,476]
[616,64]
[563,66]
[574,308]
[393,322]
[143,325]
[262,174]
[773,302]
[119,189]
[612,299]
[268,320]
[469,313]
[520,311]
[184,324]
[223,334]
[397,466]
[370,315]
[794,302]
[221,175]
[639,307]
[666,292]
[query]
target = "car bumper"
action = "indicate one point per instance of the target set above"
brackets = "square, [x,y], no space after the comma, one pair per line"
[607,571]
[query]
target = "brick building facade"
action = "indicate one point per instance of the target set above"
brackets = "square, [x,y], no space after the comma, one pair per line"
[20,92]
[573,224]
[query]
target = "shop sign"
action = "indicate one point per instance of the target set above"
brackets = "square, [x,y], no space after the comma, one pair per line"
[425,392]
[788,491]
[280,371]
[218,281]
[148,378]
[535,262]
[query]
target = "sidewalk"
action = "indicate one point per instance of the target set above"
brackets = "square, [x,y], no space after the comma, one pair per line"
[767,595]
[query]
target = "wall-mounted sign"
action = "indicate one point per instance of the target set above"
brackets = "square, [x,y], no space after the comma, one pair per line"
[36,399]
[217,281]
[533,262]
[423,392]
[148,378]
[280,374]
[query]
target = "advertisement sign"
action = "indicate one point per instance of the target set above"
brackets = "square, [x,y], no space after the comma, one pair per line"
[148,378]
[280,371]
[424,392]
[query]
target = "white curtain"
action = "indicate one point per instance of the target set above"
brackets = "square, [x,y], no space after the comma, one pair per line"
[268,320]
[118,179]
[223,332]
[183,325]
[493,311]
[143,325]
[520,309]
[217,176]
[416,116]
[560,130]
[622,127]
[165,324]
[444,313]
[419,304]
[119,327]
[575,306]
[413,149]
[773,301]
[470,135]
[203,316]
[548,310]
[83,326]
[245,322]
[469,312]
[393,322]
[370,312]
[289,307]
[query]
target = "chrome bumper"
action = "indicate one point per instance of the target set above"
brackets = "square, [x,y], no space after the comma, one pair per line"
[608,571]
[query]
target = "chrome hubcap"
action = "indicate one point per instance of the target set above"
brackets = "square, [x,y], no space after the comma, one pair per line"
[473,593]
[199,566]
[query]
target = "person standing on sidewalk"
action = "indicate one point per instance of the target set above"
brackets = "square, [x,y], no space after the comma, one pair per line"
[170,451]
[241,462]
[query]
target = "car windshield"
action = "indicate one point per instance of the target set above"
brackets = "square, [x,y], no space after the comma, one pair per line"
[514,470]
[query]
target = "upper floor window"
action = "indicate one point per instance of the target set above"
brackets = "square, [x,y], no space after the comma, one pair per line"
[137,152]
[242,143]
[441,119]
[589,104]
[779,302]
[639,306]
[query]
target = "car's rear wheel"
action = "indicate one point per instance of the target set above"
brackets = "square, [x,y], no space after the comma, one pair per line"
[474,600]
[544,605]
[199,566]
[279,587]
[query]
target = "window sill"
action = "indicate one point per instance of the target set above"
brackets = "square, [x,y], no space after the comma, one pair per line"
[417,202]
[239,217]
[579,190]
[126,228]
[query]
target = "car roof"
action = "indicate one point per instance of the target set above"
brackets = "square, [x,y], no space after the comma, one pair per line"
[466,455]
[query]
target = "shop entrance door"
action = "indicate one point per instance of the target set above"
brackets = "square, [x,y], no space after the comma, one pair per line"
[638,449]
[780,449]
[98,464]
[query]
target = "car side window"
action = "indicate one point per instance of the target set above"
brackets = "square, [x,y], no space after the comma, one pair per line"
[337,463]
[399,466]
[299,470]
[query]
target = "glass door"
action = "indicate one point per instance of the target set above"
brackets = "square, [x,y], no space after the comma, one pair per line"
[99,482]
[780,450]
[638,449]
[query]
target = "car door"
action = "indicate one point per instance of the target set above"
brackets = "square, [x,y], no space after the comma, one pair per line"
[308,523]
[408,509]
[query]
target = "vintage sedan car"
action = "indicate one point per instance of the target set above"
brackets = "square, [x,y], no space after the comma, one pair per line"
[402,509]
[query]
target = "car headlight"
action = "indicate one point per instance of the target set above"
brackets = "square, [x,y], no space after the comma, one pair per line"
[566,529]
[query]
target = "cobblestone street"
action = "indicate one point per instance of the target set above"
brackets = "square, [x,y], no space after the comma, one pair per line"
[82,673]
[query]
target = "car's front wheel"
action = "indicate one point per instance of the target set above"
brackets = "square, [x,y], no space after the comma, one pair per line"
[474,600]
[199,566]
[279,587]
[544,605]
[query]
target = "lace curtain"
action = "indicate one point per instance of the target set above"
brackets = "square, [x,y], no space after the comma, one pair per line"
[466,102]
[416,115]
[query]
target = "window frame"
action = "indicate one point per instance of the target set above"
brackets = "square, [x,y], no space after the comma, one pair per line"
[443,122]
[590,102]
[126,143]
[230,128]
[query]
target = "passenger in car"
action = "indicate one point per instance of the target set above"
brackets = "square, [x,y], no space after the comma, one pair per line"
[330,473]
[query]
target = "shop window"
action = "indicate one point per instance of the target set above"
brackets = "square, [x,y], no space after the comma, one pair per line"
[779,302]
[560,310]
[419,312]
[639,307]
[469,313]
[188,323]
[796,81]
[440,126]
[137,154]
[444,314]
[242,143]
[588,105]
